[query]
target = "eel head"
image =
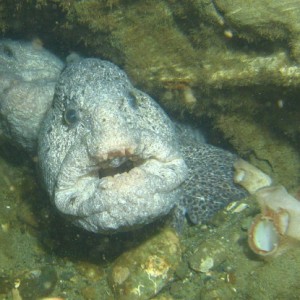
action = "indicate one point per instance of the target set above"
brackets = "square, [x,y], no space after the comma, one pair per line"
[108,153]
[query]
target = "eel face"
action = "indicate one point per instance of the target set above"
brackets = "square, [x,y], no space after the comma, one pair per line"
[107,152]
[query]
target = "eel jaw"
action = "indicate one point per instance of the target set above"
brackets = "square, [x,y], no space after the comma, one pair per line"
[120,191]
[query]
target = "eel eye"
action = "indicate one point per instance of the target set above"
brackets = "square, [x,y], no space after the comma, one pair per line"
[71,116]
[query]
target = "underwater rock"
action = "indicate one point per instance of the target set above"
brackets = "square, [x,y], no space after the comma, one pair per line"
[274,155]
[37,283]
[209,255]
[254,20]
[220,291]
[142,272]
[276,279]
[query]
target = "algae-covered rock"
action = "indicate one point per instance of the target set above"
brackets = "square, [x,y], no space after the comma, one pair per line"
[271,153]
[209,255]
[142,272]
[277,279]
[274,20]
[237,273]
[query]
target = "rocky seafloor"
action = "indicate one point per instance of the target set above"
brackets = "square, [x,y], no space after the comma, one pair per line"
[42,255]
[231,67]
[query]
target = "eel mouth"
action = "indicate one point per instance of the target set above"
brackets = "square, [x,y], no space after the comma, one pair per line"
[125,165]
[120,189]
[117,162]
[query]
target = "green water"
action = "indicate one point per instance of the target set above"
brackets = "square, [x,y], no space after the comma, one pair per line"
[230,67]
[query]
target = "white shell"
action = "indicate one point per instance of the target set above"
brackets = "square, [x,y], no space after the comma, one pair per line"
[250,177]
[263,236]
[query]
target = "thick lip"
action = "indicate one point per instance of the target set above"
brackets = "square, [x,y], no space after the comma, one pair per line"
[118,187]
[124,161]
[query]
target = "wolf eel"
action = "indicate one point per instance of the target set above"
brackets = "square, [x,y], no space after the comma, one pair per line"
[108,155]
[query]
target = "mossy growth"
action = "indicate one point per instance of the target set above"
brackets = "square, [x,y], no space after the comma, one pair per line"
[276,21]
[268,151]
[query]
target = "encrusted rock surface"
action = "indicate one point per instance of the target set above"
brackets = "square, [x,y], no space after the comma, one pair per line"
[142,272]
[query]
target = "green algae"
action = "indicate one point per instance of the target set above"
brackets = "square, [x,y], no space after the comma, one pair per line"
[276,21]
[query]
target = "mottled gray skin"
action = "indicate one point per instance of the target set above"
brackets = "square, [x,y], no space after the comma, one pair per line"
[116,165]
[110,158]
[28,75]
